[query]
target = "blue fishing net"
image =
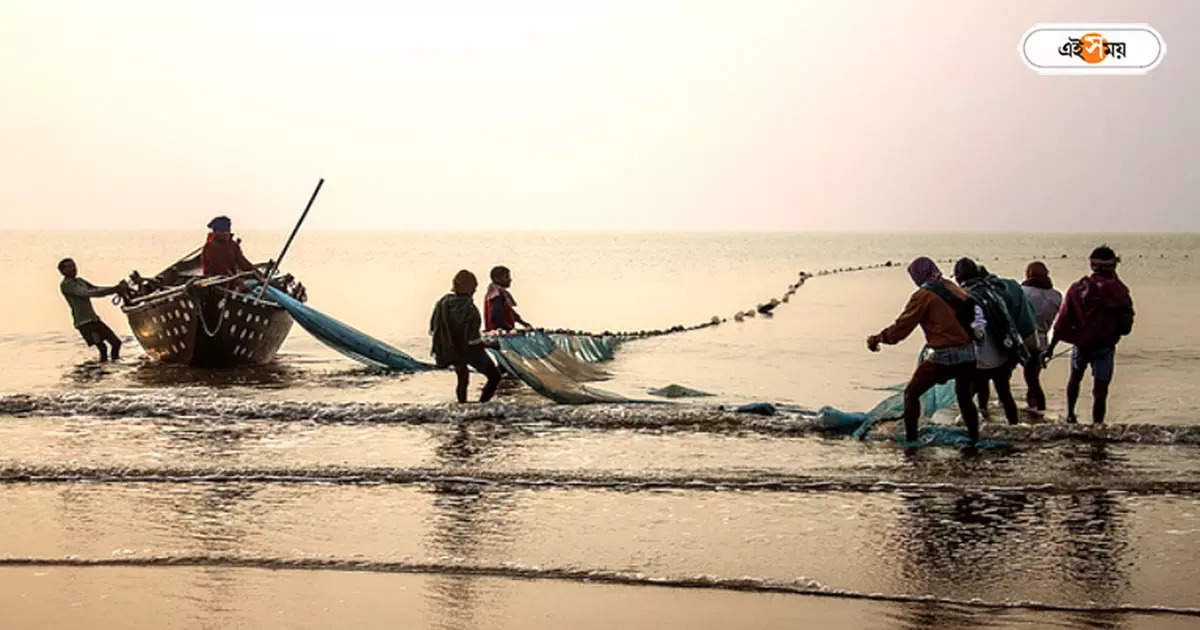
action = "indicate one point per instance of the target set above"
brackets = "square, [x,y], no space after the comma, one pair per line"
[587,348]
[940,435]
[558,366]
[347,340]
[532,345]
[584,348]
[757,408]
[860,424]
[546,379]
[559,376]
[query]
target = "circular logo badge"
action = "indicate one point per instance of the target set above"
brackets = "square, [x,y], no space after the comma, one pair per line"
[1093,48]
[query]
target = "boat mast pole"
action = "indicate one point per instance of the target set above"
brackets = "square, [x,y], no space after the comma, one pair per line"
[275,265]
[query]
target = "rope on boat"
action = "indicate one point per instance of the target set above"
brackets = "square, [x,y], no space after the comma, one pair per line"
[204,324]
[166,293]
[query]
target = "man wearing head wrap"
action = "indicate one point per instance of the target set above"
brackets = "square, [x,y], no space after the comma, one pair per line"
[1046,300]
[454,326]
[1010,322]
[951,353]
[1096,312]
[222,255]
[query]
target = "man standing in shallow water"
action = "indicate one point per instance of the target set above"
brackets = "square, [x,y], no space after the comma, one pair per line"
[1096,312]
[1046,301]
[1010,321]
[79,293]
[934,307]
[456,339]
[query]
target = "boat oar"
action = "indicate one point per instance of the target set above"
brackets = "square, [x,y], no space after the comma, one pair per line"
[275,265]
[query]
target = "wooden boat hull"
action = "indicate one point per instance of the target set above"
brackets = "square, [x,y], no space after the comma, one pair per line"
[208,327]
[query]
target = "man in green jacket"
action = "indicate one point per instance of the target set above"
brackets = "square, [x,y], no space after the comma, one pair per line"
[79,293]
[1023,313]
[1011,326]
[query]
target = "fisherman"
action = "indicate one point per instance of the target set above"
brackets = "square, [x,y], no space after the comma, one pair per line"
[938,306]
[222,254]
[1096,312]
[456,340]
[1046,301]
[499,312]
[1010,321]
[79,293]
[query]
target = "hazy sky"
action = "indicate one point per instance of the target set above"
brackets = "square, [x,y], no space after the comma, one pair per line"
[743,115]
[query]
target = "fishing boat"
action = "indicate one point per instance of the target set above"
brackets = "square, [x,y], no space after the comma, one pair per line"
[183,317]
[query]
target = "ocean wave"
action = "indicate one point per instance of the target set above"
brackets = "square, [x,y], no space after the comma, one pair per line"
[928,482]
[790,421]
[450,566]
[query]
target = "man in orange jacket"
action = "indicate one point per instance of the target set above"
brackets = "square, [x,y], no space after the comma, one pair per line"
[935,307]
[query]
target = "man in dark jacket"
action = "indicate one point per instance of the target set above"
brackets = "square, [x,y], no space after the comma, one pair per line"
[456,340]
[1096,312]
[1010,321]
[952,356]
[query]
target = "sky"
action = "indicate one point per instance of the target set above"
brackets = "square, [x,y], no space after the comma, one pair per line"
[521,115]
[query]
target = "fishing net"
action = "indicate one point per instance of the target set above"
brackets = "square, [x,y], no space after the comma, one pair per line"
[587,348]
[575,354]
[859,423]
[557,366]
[345,339]
[871,424]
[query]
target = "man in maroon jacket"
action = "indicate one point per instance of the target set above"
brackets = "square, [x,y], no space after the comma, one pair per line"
[499,307]
[222,254]
[1096,312]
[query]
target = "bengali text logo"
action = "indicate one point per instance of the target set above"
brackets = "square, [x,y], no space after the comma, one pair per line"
[1092,48]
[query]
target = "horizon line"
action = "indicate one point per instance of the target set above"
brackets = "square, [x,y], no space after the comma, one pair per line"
[602,231]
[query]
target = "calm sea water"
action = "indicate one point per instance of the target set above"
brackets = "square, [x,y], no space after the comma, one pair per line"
[314,492]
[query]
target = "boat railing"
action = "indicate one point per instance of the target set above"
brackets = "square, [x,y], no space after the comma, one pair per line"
[247,297]
[171,292]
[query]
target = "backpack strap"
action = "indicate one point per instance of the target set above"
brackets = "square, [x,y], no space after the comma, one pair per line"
[956,303]
[941,291]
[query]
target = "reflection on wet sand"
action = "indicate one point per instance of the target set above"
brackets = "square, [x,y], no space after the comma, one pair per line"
[145,373]
[214,516]
[960,546]
[91,372]
[274,375]
[466,519]
[1095,559]
[981,543]
[218,520]
[936,616]
[281,375]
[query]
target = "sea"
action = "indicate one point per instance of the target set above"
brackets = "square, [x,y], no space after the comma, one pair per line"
[314,492]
